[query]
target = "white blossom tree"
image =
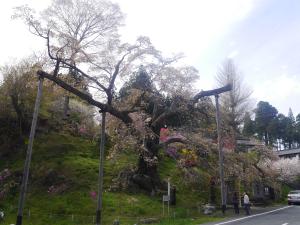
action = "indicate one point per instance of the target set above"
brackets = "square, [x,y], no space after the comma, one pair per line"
[288,169]
[85,53]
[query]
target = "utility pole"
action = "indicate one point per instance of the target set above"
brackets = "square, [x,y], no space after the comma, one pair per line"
[216,93]
[100,177]
[29,153]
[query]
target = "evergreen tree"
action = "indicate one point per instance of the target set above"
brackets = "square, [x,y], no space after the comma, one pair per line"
[249,126]
[297,130]
[290,129]
[264,115]
[282,121]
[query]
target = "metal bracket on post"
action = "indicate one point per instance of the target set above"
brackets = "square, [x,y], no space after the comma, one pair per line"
[100,177]
[29,152]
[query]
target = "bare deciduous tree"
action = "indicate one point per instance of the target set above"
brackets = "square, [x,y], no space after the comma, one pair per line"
[236,102]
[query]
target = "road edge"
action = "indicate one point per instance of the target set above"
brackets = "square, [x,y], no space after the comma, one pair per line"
[255,215]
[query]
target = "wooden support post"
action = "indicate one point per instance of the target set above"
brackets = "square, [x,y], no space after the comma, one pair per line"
[220,149]
[100,178]
[29,153]
[216,93]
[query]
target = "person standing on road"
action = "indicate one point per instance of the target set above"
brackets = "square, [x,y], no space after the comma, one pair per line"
[246,203]
[235,202]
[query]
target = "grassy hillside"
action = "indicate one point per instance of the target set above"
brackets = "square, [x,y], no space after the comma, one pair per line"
[63,184]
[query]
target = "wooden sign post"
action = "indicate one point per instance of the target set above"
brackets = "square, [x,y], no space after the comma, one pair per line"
[166,198]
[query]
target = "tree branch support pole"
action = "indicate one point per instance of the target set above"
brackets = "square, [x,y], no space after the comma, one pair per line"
[216,93]
[100,178]
[29,153]
[221,156]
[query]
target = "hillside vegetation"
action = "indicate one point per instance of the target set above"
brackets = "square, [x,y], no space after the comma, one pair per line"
[64,173]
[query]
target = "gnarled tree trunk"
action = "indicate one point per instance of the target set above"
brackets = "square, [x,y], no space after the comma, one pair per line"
[147,176]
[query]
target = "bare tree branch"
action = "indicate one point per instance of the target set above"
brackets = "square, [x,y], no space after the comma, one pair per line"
[104,107]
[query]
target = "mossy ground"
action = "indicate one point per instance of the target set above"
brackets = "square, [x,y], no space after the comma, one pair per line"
[76,160]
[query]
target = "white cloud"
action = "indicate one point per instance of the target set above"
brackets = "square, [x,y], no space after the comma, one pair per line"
[281,90]
[232,43]
[278,88]
[284,67]
[173,25]
[189,26]
[16,41]
[233,54]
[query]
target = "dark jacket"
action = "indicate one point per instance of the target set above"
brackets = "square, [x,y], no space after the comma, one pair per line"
[235,199]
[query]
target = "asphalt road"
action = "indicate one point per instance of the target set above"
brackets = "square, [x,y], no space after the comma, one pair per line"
[289,215]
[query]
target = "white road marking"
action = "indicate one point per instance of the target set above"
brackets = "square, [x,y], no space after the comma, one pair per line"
[285,223]
[259,214]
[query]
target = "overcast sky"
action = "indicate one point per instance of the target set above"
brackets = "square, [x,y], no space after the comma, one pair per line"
[262,37]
